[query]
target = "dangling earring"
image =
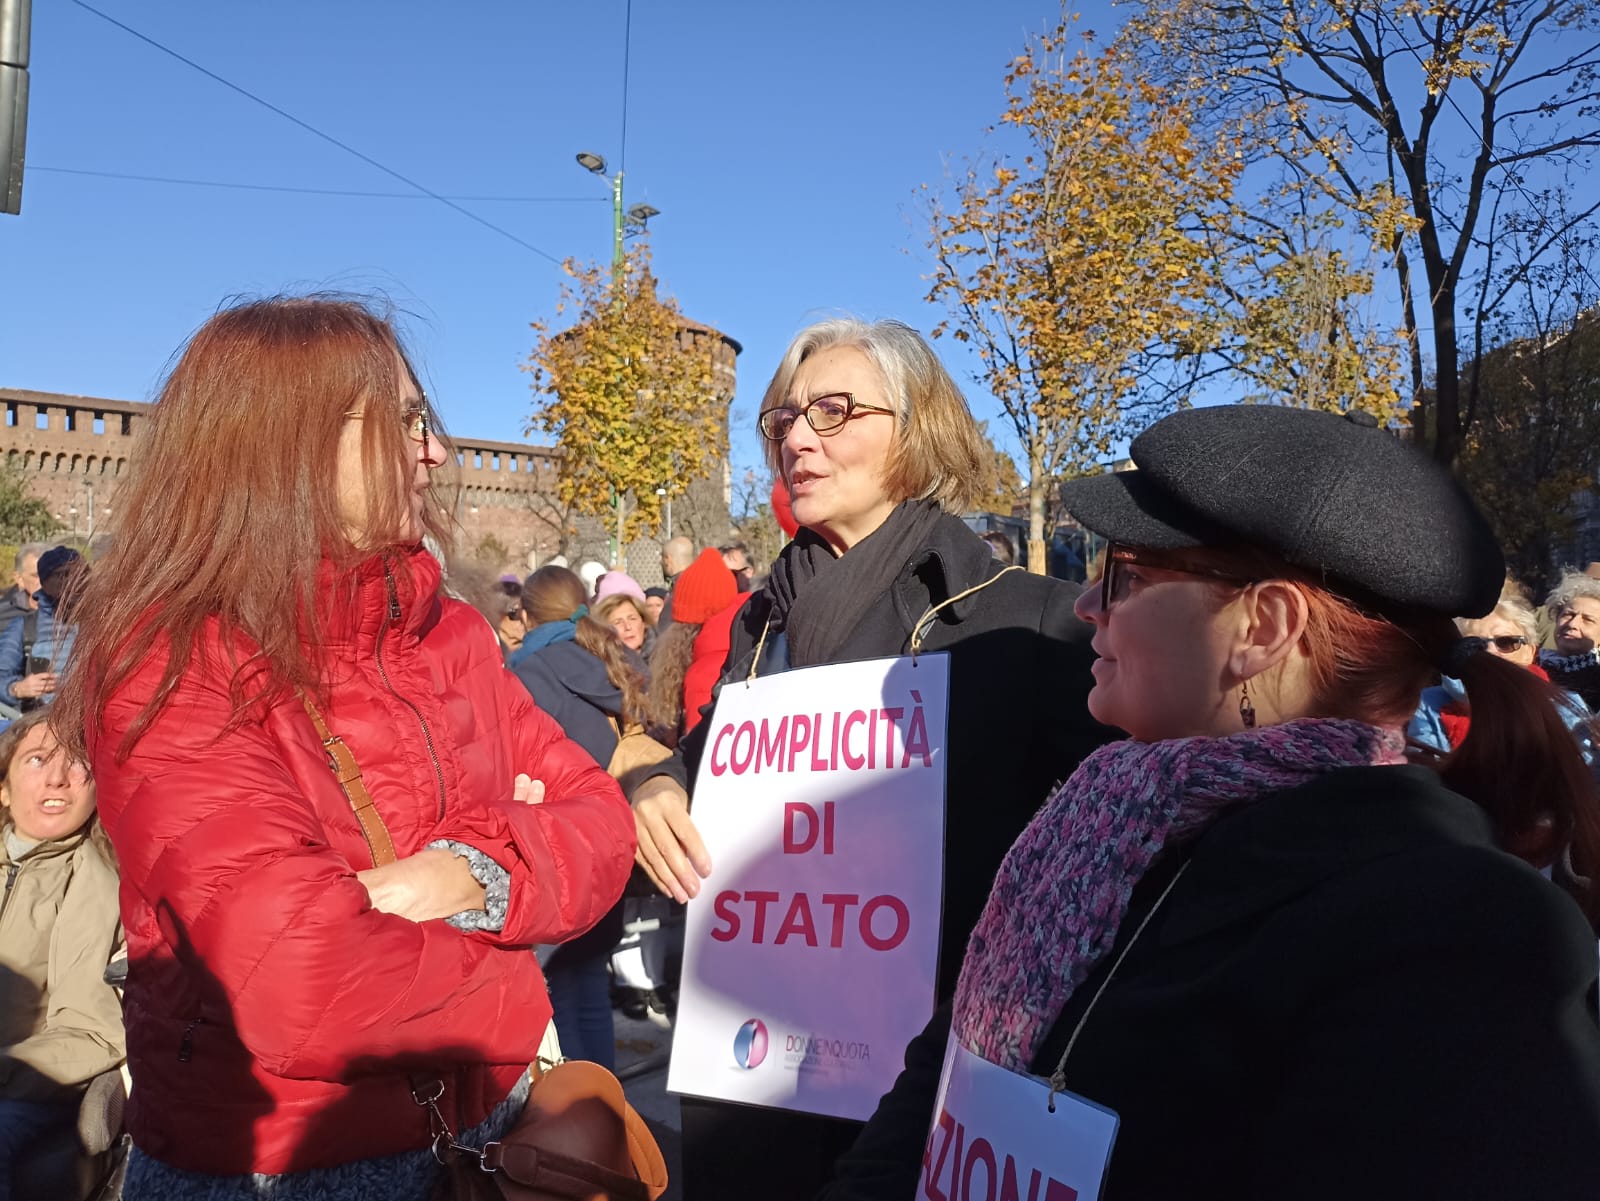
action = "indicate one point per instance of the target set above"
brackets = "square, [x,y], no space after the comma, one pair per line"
[1247,711]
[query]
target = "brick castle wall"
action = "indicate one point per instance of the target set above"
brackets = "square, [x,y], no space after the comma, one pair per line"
[77,450]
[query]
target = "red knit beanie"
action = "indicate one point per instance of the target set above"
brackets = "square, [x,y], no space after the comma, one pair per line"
[705,589]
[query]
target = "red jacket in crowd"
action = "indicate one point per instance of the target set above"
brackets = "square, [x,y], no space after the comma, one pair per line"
[274,1017]
[710,653]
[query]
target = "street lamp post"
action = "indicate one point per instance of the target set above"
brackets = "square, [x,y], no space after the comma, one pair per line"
[668,495]
[635,219]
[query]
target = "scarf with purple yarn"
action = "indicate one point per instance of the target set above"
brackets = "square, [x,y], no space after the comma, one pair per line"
[1063,888]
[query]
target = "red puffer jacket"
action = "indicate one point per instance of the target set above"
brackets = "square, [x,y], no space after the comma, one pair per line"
[273,1015]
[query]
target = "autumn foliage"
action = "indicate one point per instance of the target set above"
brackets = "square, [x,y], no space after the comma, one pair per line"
[628,392]
[1067,262]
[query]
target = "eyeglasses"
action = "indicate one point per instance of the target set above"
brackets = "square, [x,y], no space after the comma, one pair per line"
[825,414]
[417,426]
[1114,582]
[1507,644]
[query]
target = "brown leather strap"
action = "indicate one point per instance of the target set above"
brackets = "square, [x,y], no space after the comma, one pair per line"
[563,1175]
[348,772]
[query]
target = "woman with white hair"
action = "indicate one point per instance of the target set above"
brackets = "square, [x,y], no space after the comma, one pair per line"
[1511,633]
[1574,664]
[880,455]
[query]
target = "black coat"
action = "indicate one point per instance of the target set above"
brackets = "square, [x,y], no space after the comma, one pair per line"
[1350,993]
[1018,722]
[571,685]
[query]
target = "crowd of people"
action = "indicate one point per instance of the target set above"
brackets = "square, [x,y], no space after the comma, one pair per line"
[1279,837]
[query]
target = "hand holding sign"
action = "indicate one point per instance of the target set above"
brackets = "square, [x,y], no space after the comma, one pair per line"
[670,849]
[813,960]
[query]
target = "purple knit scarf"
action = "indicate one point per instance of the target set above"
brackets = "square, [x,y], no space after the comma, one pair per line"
[1063,888]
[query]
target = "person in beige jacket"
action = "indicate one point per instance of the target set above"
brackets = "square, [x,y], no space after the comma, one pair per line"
[60,1022]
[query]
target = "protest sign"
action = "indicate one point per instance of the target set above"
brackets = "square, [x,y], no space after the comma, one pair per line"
[810,954]
[1000,1136]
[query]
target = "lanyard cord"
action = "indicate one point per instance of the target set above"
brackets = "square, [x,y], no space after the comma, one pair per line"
[1058,1079]
[755,660]
[920,630]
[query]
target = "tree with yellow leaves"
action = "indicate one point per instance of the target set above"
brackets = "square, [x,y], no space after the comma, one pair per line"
[1067,264]
[1424,118]
[629,393]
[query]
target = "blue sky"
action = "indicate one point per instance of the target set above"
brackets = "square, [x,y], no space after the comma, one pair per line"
[782,143]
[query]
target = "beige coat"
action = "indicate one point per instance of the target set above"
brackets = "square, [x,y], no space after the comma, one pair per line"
[60,1022]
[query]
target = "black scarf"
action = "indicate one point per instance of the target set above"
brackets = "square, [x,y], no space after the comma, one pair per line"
[819,597]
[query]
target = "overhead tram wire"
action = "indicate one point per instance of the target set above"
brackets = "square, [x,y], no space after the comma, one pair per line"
[263,187]
[312,129]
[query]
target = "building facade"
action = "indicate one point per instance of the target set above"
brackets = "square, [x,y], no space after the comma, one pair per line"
[77,450]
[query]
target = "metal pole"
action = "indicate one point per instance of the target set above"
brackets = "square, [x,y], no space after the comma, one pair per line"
[616,300]
[669,517]
[619,555]
[16,18]
[616,232]
[90,489]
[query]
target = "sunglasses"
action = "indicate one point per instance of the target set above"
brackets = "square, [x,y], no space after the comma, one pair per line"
[1508,643]
[1115,582]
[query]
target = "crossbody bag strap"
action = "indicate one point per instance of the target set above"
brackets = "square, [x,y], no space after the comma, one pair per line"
[561,1175]
[348,772]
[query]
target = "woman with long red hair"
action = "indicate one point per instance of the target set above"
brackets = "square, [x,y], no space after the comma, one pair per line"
[307,945]
[1291,963]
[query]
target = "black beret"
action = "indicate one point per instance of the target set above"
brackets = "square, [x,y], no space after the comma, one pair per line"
[1377,519]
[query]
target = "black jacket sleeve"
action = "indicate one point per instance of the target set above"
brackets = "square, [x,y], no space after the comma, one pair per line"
[884,1163]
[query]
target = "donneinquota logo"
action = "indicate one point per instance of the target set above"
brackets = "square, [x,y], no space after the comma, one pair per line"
[750,1044]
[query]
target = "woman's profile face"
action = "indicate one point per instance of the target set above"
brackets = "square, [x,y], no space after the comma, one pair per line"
[1163,650]
[424,450]
[49,796]
[627,621]
[835,480]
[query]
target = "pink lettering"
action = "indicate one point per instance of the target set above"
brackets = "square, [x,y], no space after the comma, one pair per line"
[799,737]
[762,900]
[852,760]
[716,748]
[797,922]
[902,923]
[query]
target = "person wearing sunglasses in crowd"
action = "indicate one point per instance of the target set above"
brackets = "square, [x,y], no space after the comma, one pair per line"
[269,608]
[1511,631]
[879,453]
[1291,963]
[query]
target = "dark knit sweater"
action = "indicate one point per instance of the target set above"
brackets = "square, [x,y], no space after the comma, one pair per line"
[1575,673]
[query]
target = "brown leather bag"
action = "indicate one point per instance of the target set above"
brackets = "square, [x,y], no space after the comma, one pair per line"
[636,752]
[577,1138]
